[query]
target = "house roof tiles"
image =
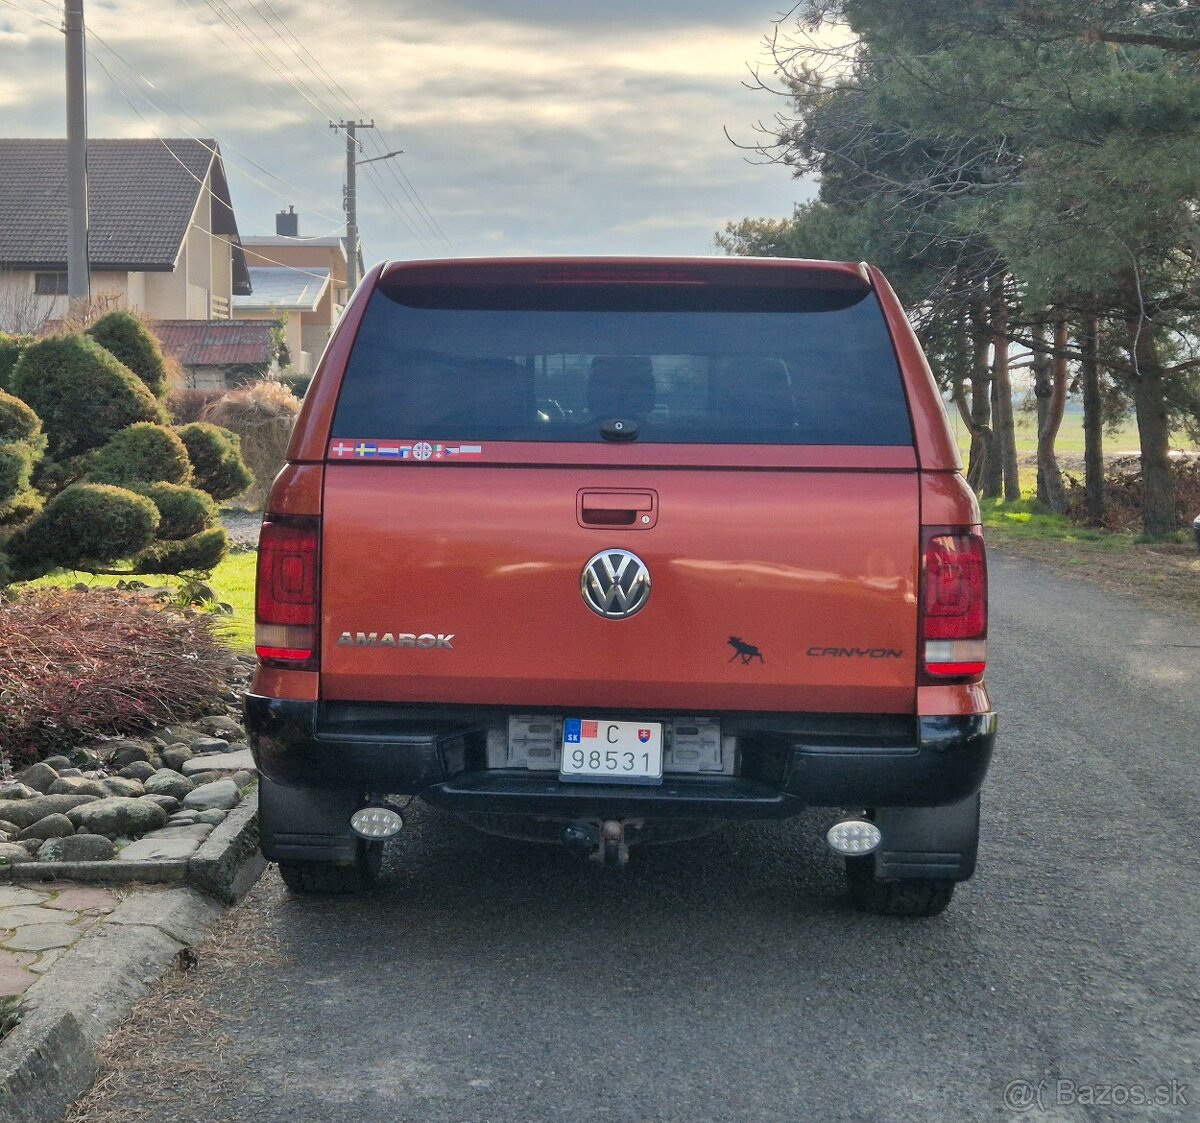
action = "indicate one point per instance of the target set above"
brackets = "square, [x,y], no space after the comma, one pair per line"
[199,343]
[141,196]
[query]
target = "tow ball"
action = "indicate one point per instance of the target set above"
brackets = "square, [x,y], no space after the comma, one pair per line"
[601,842]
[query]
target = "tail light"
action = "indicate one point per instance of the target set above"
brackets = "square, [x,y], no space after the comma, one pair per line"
[953,604]
[288,595]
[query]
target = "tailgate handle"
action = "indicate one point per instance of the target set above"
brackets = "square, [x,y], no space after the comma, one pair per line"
[635,509]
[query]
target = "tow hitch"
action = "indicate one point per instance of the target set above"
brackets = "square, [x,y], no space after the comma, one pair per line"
[601,842]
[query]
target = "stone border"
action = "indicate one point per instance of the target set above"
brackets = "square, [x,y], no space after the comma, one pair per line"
[49,1060]
[225,866]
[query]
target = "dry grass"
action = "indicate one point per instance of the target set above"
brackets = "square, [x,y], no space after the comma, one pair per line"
[172,1050]
[1166,576]
[262,414]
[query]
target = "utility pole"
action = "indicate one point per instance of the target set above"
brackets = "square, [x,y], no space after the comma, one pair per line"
[79,285]
[350,200]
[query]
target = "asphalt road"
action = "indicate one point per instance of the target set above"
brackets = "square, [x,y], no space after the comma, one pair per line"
[725,980]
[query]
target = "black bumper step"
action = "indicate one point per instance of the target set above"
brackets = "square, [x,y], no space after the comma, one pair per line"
[707,797]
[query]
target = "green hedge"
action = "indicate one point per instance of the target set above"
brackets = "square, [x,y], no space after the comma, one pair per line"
[201,552]
[216,456]
[130,340]
[82,393]
[183,511]
[142,454]
[94,523]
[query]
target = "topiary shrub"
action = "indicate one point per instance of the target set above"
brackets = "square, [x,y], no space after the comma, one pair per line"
[216,458]
[17,421]
[87,523]
[21,445]
[142,454]
[16,468]
[126,336]
[11,347]
[183,511]
[82,393]
[262,414]
[201,552]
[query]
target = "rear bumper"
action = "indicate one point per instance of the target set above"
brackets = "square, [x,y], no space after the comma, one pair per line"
[789,762]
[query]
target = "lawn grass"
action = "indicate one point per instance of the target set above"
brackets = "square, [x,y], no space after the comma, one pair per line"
[232,581]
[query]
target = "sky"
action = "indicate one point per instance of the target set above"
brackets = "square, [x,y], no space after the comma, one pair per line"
[528,126]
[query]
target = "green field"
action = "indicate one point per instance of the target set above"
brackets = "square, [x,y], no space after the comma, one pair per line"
[232,581]
[1124,439]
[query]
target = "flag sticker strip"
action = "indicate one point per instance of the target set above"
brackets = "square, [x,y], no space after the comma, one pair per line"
[421,452]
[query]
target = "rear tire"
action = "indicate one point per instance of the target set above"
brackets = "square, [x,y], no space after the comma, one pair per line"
[328,878]
[906,896]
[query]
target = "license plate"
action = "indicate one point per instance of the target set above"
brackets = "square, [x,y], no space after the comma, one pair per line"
[612,752]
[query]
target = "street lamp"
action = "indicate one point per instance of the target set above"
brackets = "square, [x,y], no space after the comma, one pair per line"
[352,207]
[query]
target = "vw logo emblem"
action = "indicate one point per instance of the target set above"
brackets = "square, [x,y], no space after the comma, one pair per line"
[615,584]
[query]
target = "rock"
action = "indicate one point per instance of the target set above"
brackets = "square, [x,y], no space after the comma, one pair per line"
[70,771]
[119,815]
[174,756]
[121,785]
[18,791]
[58,762]
[13,852]
[206,777]
[126,752]
[197,831]
[168,782]
[52,826]
[221,727]
[167,802]
[159,850]
[28,811]
[156,762]
[38,776]
[185,818]
[213,816]
[31,844]
[8,828]
[138,770]
[244,779]
[78,848]
[78,785]
[202,745]
[177,735]
[239,756]
[221,794]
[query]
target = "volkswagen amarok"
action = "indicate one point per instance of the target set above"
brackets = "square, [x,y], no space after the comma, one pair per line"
[599,551]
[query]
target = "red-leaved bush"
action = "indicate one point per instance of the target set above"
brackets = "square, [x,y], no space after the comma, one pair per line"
[77,664]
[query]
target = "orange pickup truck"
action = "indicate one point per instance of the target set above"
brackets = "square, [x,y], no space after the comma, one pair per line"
[596,551]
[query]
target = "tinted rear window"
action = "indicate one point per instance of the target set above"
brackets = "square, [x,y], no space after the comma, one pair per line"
[688,364]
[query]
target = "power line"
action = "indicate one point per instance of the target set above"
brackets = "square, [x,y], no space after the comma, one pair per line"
[335,89]
[292,190]
[32,15]
[120,90]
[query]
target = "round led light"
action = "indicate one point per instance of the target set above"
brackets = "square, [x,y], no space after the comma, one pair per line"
[853,837]
[375,823]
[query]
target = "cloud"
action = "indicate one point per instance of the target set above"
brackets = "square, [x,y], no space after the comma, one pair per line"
[528,126]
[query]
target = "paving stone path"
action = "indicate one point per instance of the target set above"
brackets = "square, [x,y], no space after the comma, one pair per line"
[38,924]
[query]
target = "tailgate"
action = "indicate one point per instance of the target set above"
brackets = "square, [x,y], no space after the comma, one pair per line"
[782,590]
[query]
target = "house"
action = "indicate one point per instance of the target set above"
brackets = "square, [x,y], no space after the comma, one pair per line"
[314,296]
[163,238]
[218,354]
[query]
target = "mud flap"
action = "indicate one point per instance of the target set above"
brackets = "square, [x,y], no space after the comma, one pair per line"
[937,843]
[307,824]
